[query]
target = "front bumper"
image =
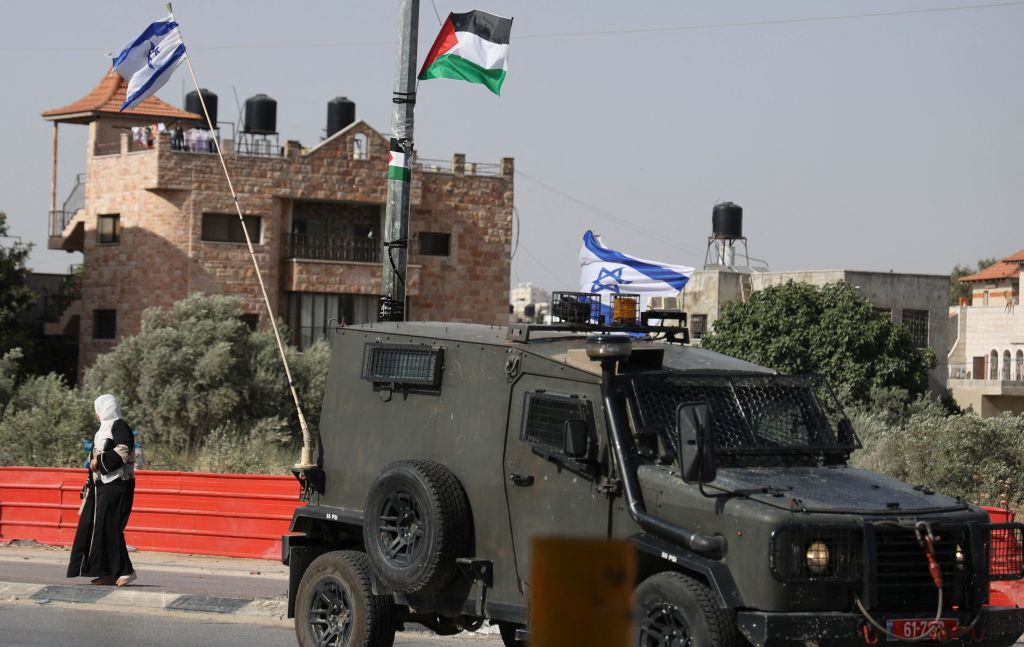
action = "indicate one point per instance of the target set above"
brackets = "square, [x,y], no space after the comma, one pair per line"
[997,626]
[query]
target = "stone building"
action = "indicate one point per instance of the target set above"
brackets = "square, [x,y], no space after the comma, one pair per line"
[986,363]
[155,222]
[529,303]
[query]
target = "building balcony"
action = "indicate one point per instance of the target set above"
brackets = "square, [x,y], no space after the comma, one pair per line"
[331,248]
[981,380]
[67,224]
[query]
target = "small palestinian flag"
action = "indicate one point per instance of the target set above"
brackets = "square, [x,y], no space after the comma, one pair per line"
[473,47]
[398,164]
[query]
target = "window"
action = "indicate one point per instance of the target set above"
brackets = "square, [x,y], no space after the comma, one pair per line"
[1019,373]
[225,228]
[917,322]
[311,316]
[545,417]
[251,320]
[403,364]
[360,147]
[434,244]
[993,365]
[104,324]
[108,229]
[698,326]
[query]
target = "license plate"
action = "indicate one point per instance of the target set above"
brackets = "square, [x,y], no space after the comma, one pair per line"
[917,627]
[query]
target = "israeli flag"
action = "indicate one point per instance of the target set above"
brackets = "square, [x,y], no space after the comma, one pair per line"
[606,270]
[149,60]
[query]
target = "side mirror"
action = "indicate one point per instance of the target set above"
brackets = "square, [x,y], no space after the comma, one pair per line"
[577,440]
[696,453]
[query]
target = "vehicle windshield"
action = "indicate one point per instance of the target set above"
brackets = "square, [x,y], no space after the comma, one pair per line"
[752,415]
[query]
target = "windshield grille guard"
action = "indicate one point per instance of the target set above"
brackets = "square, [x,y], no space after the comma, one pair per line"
[777,414]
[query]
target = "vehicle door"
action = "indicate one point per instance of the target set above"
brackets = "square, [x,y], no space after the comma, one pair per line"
[548,492]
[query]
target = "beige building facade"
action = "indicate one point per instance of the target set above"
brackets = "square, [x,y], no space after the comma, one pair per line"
[986,363]
[156,223]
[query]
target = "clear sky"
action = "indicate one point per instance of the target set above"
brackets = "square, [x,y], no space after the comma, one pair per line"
[891,142]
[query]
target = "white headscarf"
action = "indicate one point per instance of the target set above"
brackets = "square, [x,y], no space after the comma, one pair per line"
[108,410]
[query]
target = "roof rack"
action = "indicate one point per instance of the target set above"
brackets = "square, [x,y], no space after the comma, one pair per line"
[677,334]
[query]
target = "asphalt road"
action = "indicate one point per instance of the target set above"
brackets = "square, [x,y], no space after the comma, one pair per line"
[27,624]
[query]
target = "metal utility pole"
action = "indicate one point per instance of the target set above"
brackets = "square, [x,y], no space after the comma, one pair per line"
[396,220]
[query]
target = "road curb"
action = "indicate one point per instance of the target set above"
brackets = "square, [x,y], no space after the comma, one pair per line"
[274,608]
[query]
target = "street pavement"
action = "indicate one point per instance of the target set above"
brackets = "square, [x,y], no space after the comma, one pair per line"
[223,601]
[33,625]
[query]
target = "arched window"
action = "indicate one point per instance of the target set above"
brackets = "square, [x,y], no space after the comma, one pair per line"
[360,147]
[1006,366]
[1019,373]
[993,365]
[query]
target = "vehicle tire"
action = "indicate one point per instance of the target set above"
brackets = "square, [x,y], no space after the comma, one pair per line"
[508,634]
[416,523]
[673,609]
[335,607]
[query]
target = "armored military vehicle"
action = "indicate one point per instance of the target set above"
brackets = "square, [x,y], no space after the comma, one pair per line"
[444,448]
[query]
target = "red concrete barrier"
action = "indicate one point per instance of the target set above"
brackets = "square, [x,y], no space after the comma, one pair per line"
[234,515]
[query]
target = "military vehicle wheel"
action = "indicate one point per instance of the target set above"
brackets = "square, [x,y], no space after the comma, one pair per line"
[334,606]
[508,635]
[673,609]
[416,524]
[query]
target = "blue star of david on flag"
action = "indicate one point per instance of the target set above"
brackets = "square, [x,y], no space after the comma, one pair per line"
[149,60]
[606,270]
[615,276]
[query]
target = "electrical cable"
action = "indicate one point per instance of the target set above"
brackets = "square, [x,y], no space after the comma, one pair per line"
[622,221]
[584,34]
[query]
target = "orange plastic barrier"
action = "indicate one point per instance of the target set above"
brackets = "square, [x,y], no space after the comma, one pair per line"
[1009,593]
[234,515]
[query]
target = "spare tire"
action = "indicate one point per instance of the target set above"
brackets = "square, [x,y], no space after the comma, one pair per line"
[415,524]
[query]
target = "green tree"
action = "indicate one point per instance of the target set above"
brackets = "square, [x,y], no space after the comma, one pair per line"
[832,330]
[196,368]
[958,290]
[15,295]
[43,422]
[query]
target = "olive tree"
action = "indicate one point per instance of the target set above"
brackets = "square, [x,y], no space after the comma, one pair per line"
[196,367]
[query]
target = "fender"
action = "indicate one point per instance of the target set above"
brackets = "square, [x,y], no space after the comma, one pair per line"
[716,573]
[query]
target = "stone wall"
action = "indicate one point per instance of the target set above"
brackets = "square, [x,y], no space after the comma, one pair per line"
[161,195]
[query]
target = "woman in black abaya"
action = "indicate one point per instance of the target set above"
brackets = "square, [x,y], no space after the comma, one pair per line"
[99,550]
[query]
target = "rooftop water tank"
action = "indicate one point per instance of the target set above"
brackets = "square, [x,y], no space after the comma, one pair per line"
[260,115]
[341,113]
[192,103]
[727,221]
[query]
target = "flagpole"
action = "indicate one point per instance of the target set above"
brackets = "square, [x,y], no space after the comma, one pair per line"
[396,219]
[306,459]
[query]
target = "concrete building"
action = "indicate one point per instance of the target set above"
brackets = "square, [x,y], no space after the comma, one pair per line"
[155,222]
[917,300]
[529,302]
[986,363]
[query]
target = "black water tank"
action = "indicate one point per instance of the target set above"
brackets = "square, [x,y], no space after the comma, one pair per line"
[341,112]
[192,103]
[727,220]
[260,115]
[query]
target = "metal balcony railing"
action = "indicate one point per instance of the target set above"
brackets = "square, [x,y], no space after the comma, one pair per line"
[60,218]
[332,248]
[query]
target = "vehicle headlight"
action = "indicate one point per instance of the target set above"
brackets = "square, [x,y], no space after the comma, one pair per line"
[801,553]
[816,557]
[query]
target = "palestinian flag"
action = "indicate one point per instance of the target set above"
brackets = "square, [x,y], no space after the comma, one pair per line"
[471,46]
[398,164]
